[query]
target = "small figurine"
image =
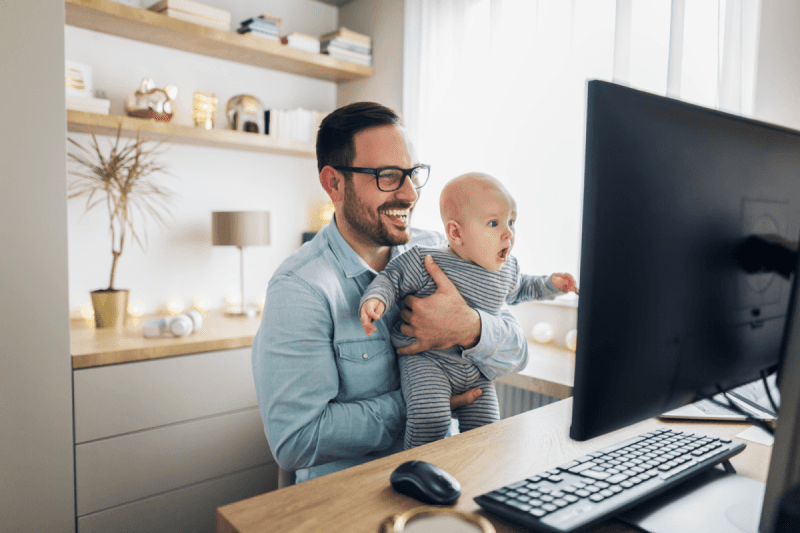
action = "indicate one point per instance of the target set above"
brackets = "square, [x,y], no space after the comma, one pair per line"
[245,113]
[150,102]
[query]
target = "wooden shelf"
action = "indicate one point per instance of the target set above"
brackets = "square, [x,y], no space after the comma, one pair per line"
[80,122]
[147,26]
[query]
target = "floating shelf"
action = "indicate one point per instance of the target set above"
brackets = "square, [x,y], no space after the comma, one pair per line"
[147,26]
[80,122]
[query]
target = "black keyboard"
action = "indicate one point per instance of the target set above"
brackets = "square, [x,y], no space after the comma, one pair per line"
[602,484]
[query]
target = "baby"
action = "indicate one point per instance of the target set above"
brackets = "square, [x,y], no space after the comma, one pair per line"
[478,215]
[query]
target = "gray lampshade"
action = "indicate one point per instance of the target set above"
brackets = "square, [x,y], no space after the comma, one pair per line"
[240,228]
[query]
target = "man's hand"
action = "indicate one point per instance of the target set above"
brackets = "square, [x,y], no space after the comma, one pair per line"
[441,320]
[371,311]
[466,398]
[564,283]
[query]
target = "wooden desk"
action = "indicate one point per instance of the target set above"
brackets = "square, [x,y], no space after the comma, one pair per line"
[360,498]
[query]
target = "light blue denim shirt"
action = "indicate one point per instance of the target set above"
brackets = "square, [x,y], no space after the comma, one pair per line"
[329,395]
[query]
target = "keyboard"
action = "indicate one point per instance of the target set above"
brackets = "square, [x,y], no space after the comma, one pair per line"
[600,485]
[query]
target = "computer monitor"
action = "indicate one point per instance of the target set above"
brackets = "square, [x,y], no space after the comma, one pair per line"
[667,316]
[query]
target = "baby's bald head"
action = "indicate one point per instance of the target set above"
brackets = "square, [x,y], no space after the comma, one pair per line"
[460,194]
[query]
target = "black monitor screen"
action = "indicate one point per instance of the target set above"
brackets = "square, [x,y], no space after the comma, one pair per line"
[666,316]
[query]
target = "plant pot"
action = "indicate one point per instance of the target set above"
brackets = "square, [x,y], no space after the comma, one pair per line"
[110,307]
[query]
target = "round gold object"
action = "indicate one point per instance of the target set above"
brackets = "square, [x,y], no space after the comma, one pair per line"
[436,519]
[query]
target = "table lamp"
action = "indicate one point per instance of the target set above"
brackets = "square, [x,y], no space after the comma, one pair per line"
[240,229]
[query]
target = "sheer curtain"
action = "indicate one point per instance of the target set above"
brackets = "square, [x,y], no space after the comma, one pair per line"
[499,86]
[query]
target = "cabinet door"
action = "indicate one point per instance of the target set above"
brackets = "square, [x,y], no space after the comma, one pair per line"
[121,469]
[192,508]
[118,399]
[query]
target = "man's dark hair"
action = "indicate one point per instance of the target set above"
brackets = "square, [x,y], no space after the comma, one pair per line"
[335,144]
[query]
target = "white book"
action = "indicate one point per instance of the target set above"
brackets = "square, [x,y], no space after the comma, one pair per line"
[301,42]
[99,106]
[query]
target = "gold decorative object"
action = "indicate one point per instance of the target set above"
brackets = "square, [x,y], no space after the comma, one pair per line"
[204,110]
[151,102]
[245,113]
[121,180]
[110,307]
[436,519]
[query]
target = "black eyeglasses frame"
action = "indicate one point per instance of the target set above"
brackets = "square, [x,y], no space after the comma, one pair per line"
[377,171]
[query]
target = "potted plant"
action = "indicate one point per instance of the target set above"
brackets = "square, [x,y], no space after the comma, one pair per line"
[122,181]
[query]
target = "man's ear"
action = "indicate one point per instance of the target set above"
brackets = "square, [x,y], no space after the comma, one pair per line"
[453,231]
[332,182]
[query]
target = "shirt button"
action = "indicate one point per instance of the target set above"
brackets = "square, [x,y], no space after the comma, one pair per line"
[365,356]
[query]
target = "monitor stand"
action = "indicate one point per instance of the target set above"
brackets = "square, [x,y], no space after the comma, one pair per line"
[712,502]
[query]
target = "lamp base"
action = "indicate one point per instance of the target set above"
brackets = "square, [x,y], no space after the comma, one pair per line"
[236,310]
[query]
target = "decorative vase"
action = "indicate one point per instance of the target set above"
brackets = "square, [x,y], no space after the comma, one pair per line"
[110,307]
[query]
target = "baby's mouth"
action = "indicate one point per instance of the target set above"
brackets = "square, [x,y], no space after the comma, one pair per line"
[503,254]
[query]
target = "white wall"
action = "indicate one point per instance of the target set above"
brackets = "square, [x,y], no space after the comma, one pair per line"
[36,450]
[383,20]
[179,261]
[777,94]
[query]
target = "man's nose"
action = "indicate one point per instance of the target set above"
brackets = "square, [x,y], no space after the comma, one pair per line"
[407,191]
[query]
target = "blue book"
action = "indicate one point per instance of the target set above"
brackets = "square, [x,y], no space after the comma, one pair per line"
[256,22]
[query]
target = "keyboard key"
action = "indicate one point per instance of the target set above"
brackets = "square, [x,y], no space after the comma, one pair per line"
[615,489]
[617,478]
[571,498]
[595,474]
[560,502]
[583,466]
[567,466]
[535,503]
[597,497]
[583,493]
[549,507]
[537,512]
[607,493]
[535,479]
[521,506]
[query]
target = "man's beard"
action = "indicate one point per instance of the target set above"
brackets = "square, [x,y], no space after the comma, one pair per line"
[360,218]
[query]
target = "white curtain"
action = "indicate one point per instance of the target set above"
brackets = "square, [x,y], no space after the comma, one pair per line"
[499,86]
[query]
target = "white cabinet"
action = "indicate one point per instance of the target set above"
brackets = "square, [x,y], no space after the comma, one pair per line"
[160,444]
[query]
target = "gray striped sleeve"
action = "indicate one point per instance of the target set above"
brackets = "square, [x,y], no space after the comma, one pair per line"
[405,274]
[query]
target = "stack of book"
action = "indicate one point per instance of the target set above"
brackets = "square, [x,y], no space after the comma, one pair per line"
[265,26]
[347,45]
[88,104]
[194,12]
[301,42]
[294,124]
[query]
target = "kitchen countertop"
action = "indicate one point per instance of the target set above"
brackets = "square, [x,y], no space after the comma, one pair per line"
[91,347]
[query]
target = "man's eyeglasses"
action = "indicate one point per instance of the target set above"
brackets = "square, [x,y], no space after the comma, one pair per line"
[392,178]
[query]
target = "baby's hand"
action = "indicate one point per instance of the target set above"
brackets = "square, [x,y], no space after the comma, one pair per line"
[371,311]
[564,283]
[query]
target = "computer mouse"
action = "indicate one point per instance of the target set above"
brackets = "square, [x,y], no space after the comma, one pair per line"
[425,482]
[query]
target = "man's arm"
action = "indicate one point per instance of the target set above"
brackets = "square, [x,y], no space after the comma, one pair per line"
[496,344]
[297,381]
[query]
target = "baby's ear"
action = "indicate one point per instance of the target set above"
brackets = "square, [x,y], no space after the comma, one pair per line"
[453,231]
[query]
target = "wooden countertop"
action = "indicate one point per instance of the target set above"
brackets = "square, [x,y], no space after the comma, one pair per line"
[360,498]
[92,347]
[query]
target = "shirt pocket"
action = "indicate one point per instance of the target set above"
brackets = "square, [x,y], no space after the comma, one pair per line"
[367,368]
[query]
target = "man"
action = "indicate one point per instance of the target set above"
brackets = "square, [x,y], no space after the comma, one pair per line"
[329,395]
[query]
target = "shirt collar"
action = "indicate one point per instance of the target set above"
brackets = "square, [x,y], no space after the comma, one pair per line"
[351,262]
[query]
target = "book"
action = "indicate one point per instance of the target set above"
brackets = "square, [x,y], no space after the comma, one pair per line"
[301,42]
[271,18]
[260,34]
[88,104]
[347,34]
[196,19]
[750,397]
[259,23]
[359,59]
[346,44]
[194,8]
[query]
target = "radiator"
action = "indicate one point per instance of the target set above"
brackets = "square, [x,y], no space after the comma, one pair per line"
[514,401]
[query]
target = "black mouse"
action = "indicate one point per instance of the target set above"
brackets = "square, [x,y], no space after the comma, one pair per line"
[425,482]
